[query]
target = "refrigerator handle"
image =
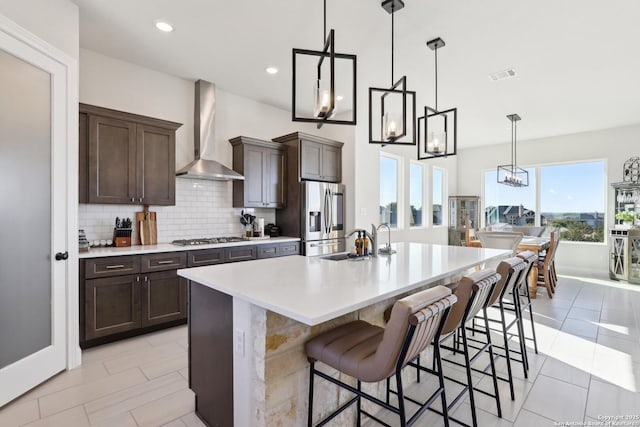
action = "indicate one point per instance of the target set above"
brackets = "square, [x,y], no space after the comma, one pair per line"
[330,216]
[325,211]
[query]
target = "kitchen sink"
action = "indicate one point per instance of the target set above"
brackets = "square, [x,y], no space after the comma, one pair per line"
[336,257]
[345,256]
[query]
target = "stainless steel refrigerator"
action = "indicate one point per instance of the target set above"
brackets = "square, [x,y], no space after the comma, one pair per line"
[315,213]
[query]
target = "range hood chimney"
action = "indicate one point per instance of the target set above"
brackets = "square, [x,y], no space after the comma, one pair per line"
[204,112]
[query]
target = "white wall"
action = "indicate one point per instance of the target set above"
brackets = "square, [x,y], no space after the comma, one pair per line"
[55,21]
[614,146]
[203,209]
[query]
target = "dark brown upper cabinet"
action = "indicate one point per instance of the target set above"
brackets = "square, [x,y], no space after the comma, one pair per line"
[318,159]
[126,158]
[263,165]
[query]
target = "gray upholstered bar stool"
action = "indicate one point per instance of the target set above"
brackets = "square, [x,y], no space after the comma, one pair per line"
[371,353]
[473,292]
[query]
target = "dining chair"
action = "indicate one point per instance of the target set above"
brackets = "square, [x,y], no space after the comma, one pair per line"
[546,267]
[500,239]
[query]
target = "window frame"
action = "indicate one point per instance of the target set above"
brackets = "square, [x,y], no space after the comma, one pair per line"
[445,198]
[400,221]
[423,195]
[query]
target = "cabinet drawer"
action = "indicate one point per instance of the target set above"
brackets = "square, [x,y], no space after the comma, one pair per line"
[112,266]
[164,261]
[206,257]
[241,253]
[267,251]
[289,248]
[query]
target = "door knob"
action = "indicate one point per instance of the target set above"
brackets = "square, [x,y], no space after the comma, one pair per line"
[60,256]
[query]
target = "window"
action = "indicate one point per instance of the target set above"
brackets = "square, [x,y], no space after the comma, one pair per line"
[416,177]
[389,190]
[509,205]
[436,196]
[572,198]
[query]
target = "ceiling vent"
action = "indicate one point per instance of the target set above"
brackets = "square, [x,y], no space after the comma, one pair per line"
[504,74]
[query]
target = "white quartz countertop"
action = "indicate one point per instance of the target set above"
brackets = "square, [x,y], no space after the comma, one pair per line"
[313,290]
[169,247]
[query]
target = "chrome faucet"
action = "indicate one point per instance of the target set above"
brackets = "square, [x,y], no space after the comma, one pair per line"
[387,249]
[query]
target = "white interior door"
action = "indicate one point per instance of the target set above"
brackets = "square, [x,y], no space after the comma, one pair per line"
[33,211]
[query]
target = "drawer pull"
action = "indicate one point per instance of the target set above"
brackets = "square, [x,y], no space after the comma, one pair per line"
[165,262]
[111,267]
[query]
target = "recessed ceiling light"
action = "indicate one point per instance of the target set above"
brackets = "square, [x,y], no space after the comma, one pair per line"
[164,26]
[339,97]
[504,74]
[271,70]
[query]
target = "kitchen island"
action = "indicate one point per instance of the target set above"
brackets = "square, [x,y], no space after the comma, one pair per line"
[248,323]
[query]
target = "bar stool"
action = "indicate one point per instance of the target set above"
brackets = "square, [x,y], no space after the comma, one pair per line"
[473,292]
[512,270]
[370,353]
[525,297]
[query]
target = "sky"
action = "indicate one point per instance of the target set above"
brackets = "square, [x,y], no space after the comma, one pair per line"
[578,187]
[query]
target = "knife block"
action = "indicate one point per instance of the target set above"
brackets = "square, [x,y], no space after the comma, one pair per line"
[122,237]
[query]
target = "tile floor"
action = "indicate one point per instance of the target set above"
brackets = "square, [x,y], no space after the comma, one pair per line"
[588,367]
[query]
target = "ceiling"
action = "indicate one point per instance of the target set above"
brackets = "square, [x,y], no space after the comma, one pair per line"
[577,60]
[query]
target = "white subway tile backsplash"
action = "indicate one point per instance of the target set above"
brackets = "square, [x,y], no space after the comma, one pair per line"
[203,209]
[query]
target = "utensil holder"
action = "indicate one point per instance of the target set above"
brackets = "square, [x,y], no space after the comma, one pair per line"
[122,237]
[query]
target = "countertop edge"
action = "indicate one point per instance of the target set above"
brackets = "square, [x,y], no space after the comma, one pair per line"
[169,247]
[191,274]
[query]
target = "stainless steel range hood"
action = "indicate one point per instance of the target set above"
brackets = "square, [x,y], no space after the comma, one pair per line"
[204,112]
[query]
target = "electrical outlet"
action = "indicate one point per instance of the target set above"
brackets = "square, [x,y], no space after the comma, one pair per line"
[238,342]
[363,211]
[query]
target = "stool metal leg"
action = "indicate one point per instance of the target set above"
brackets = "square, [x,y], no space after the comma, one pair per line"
[493,365]
[310,413]
[506,347]
[467,362]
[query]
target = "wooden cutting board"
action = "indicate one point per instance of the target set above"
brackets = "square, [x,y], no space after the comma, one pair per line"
[147,227]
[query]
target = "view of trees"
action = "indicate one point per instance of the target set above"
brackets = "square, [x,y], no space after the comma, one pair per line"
[579,231]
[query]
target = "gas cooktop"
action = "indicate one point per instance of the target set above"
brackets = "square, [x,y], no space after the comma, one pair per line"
[208,241]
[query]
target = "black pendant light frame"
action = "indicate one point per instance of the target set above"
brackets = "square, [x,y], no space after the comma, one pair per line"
[449,118]
[397,87]
[327,52]
[512,175]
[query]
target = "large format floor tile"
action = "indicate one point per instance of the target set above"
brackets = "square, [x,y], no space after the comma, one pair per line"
[556,399]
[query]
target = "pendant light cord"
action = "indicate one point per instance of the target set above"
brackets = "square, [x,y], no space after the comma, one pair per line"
[325,21]
[437,79]
[392,43]
[513,146]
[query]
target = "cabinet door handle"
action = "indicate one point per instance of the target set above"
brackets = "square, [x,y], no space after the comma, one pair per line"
[140,200]
[133,199]
[111,267]
[146,279]
[165,262]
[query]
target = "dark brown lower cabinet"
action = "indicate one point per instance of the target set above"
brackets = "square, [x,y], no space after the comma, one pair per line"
[124,296]
[164,298]
[112,305]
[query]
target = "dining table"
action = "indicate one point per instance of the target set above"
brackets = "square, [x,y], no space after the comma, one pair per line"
[528,243]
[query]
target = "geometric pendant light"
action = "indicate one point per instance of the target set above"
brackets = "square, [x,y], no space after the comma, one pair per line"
[437,130]
[317,75]
[392,110]
[511,174]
